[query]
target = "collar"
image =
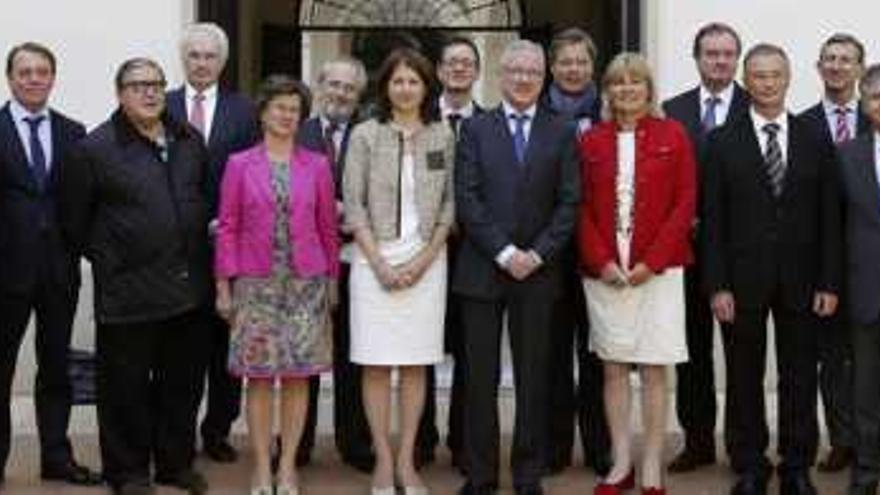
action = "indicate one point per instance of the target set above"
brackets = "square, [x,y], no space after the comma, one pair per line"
[19,112]
[510,111]
[851,106]
[465,111]
[210,93]
[127,133]
[725,95]
[781,120]
[325,122]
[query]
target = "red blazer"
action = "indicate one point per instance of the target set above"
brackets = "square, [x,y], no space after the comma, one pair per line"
[665,196]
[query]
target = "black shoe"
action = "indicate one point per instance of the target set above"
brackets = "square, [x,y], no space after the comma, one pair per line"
[528,490]
[838,459]
[557,463]
[71,473]
[691,459]
[751,484]
[133,488]
[424,458]
[471,489]
[362,462]
[190,481]
[797,483]
[459,463]
[599,463]
[219,450]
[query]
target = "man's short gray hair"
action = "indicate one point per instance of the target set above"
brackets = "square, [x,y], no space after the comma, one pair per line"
[209,30]
[360,72]
[521,45]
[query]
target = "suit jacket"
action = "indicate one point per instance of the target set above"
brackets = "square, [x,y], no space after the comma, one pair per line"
[233,128]
[862,204]
[501,202]
[685,108]
[246,227]
[815,116]
[311,136]
[28,218]
[665,177]
[759,246]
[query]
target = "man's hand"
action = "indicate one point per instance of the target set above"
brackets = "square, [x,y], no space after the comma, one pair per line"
[724,306]
[824,304]
[639,274]
[521,265]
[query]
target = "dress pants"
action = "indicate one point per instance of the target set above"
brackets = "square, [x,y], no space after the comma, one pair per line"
[54,308]
[529,308]
[836,379]
[350,427]
[454,342]
[746,431]
[148,395]
[695,398]
[866,370]
[224,390]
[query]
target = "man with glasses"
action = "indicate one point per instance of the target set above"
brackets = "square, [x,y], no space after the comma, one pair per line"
[133,202]
[38,273]
[516,188]
[227,123]
[838,119]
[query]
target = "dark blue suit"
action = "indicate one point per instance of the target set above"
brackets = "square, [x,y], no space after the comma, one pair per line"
[37,273]
[532,205]
[234,128]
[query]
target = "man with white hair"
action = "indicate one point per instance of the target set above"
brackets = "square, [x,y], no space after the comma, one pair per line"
[516,188]
[227,123]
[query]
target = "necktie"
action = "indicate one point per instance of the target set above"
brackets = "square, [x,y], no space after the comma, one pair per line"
[454,120]
[329,143]
[38,155]
[709,118]
[197,114]
[519,136]
[841,127]
[773,159]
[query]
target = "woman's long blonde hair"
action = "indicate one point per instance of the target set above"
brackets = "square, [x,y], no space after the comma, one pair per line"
[636,67]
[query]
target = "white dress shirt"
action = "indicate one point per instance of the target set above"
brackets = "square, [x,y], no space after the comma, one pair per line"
[722,108]
[852,112]
[209,105]
[337,134]
[44,131]
[781,134]
[445,110]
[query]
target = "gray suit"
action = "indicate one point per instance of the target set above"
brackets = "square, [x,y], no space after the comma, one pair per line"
[862,200]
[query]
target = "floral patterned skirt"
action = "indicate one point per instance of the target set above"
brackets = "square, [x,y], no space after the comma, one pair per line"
[282,328]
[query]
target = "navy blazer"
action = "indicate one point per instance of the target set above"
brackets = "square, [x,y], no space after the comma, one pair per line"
[685,108]
[815,116]
[501,202]
[233,128]
[29,232]
[311,136]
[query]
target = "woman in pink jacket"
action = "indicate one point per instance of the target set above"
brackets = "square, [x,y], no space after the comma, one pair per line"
[276,265]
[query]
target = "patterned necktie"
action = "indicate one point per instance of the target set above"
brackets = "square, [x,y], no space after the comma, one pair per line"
[38,155]
[773,159]
[519,136]
[709,117]
[329,143]
[454,120]
[841,127]
[197,114]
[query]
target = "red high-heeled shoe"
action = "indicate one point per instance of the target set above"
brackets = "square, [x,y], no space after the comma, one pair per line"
[627,483]
[653,490]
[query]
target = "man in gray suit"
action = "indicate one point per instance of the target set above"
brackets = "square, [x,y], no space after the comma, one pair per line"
[860,159]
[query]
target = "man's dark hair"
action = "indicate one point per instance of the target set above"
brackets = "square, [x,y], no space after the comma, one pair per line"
[33,47]
[132,64]
[461,40]
[714,29]
[844,39]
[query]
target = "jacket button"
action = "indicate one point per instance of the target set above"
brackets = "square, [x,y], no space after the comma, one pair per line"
[184,275]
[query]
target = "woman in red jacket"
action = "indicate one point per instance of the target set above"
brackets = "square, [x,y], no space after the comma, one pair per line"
[635,223]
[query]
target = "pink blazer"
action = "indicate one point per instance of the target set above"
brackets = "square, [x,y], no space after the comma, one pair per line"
[247,216]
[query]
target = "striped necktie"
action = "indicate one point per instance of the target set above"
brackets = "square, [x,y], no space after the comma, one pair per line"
[773,159]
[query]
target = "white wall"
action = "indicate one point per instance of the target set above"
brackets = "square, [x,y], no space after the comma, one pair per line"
[90,39]
[799,26]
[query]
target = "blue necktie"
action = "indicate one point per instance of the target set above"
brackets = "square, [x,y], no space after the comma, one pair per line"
[709,118]
[519,136]
[38,155]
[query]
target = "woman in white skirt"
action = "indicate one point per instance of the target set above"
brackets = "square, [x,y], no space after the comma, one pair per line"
[639,190]
[399,205]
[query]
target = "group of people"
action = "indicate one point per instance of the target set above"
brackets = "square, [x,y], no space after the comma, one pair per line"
[270,242]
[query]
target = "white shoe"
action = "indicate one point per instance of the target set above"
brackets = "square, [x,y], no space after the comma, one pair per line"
[388,490]
[261,490]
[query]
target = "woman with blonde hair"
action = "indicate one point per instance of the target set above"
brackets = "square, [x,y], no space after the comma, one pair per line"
[639,185]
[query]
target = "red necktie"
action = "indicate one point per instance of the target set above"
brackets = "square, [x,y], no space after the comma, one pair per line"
[197,114]
[841,128]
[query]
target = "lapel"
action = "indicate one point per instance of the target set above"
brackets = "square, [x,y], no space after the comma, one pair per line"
[18,161]
[535,141]
[218,123]
[259,176]
[692,101]
[503,132]
[792,158]
[59,142]
[752,155]
[863,125]
[866,168]
[176,104]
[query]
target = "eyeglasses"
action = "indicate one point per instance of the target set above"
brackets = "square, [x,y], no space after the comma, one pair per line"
[522,73]
[465,63]
[142,87]
[343,86]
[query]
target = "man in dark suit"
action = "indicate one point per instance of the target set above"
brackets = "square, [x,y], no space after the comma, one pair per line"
[717,99]
[771,216]
[340,85]
[227,122]
[573,96]
[516,186]
[457,71]
[859,160]
[837,119]
[38,273]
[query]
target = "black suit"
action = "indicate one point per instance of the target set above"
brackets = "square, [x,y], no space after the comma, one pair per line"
[532,206]
[858,162]
[37,273]
[773,254]
[835,352]
[234,128]
[696,400]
